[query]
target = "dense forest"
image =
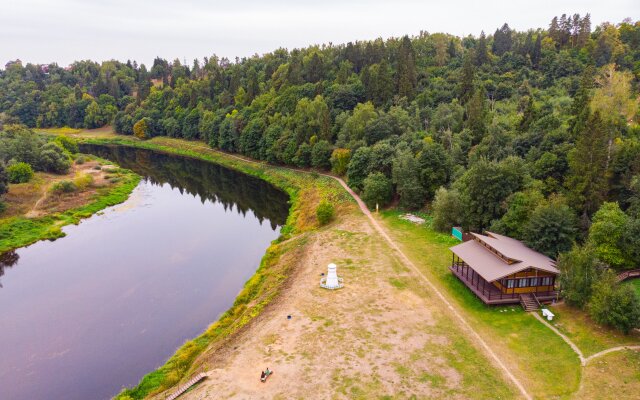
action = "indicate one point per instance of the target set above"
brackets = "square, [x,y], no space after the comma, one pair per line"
[533,134]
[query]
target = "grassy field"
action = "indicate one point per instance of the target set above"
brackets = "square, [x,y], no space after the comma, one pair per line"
[540,359]
[305,191]
[18,230]
[612,377]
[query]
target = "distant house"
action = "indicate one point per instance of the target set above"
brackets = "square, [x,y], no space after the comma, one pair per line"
[502,270]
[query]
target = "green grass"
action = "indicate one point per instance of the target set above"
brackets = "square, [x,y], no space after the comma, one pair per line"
[19,231]
[590,337]
[546,365]
[305,191]
[636,284]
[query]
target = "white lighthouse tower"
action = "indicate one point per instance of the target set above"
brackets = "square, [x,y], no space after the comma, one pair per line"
[331,281]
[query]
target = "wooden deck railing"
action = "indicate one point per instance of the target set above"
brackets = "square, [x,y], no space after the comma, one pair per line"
[632,273]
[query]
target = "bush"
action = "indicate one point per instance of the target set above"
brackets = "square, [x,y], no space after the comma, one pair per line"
[615,305]
[67,143]
[83,181]
[325,212]
[377,190]
[81,159]
[54,159]
[2,206]
[63,187]
[141,129]
[19,172]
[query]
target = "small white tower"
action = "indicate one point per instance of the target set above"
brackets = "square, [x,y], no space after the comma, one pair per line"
[331,281]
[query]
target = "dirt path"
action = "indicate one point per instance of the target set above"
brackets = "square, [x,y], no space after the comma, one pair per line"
[611,350]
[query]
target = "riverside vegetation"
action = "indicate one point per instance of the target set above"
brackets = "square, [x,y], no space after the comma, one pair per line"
[66,187]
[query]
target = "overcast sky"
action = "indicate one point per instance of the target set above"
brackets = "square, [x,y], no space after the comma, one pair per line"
[43,31]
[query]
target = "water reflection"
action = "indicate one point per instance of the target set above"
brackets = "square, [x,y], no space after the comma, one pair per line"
[7,260]
[199,178]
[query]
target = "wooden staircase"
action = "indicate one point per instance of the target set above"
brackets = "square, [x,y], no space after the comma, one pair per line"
[529,302]
[197,378]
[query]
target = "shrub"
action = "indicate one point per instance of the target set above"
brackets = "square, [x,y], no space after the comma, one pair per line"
[81,159]
[141,129]
[19,172]
[615,305]
[2,206]
[67,143]
[325,212]
[83,181]
[54,159]
[63,187]
[377,190]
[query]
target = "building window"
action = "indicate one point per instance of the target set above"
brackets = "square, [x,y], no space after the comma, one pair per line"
[510,283]
[533,281]
[546,281]
[523,282]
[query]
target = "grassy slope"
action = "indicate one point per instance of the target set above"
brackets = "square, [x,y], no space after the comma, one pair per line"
[540,359]
[20,231]
[305,191]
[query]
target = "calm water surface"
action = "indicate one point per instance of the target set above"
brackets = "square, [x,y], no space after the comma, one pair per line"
[94,311]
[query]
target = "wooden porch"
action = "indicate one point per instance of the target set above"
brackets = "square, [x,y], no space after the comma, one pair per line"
[489,293]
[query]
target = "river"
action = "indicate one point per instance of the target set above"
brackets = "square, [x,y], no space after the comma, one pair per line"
[85,315]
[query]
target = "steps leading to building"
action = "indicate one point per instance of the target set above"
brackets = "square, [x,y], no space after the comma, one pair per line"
[529,302]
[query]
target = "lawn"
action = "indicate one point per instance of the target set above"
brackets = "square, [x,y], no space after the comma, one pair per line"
[539,358]
[590,337]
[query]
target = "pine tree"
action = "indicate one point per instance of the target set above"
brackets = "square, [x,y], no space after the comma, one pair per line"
[477,116]
[528,116]
[384,83]
[584,31]
[536,54]
[465,89]
[407,79]
[502,41]
[554,30]
[481,50]
[581,100]
[451,50]
[587,180]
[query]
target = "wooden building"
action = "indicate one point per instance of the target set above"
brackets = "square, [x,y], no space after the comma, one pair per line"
[502,270]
